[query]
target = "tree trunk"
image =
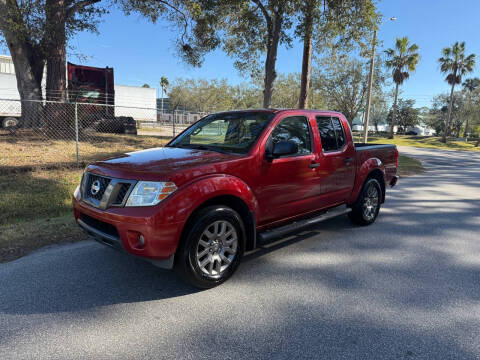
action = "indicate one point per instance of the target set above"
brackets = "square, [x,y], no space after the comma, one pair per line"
[270,61]
[465,132]
[56,115]
[457,132]
[307,55]
[392,125]
[27,61]
[56,50]
[450,106]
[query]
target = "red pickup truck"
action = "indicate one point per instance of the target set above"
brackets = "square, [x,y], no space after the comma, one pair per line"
[230,182]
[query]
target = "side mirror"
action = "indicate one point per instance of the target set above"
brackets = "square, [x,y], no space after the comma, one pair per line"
[282,148]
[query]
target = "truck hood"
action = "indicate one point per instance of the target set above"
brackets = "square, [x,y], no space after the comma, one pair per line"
[160,163]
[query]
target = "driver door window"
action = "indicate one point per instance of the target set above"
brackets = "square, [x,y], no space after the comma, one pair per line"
[294,129]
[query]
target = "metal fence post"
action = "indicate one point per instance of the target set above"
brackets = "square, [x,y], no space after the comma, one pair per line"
[76,131]
[174,122]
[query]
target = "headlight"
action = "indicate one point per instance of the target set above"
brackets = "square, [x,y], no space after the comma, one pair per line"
[149,193]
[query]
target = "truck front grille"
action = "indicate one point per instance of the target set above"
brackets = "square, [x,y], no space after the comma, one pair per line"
[124,188]
[103,192]
[103,181]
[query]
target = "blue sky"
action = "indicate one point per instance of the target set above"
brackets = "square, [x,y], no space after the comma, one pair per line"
[141,52]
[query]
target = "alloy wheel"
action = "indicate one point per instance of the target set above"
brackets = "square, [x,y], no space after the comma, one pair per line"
[217,248]
[370,203]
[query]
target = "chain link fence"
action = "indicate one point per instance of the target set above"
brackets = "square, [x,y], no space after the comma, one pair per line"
[51,134]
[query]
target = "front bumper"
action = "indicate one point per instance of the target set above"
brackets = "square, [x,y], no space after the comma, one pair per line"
[120,228]
[393,180]
[100,236]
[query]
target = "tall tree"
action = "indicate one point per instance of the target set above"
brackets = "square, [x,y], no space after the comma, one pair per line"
[402,59]
[407,115]
[247,30]
[455,64]
[379,110]
[336,23]
[164,85]
[439,112]
[36,32]
[309,11]
[254,28]
[343,82]
[469,85]
[286,91]
[26,54]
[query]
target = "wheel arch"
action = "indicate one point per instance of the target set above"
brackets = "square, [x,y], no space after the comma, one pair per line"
[371,168]
[237,204]
[380,176]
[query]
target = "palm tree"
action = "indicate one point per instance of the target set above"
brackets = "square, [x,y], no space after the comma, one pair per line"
[403,59]
[455,64]
[469,85]
[163,84]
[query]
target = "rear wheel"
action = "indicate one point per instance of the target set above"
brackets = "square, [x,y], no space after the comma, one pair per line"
[213,247]
[9,122]
[366,208]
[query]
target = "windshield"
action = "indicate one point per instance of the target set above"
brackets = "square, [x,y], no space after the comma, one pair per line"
[234,132]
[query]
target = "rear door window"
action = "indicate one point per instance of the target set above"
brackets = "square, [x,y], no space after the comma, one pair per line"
[331,132]
[327,133]
[339,133]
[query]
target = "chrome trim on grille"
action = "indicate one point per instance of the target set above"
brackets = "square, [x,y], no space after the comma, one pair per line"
[110,193]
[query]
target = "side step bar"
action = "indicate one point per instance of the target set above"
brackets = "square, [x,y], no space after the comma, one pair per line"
[267,236]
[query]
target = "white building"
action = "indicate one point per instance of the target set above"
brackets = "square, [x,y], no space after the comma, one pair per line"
[137,102]
[371,128]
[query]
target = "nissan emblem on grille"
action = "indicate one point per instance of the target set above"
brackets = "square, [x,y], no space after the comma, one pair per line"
[95,187]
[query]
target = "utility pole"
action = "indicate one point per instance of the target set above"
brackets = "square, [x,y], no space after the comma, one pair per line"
[161,87]
[370,83]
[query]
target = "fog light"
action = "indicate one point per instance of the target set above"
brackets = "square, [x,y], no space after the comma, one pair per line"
[136,240]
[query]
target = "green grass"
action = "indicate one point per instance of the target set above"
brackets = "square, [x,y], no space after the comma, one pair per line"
[409,166]
[39,194]
[36,210]
[425,142]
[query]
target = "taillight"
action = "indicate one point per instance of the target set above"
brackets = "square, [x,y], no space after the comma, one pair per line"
[396,157]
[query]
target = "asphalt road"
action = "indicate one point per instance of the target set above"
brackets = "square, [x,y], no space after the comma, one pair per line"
[407,287]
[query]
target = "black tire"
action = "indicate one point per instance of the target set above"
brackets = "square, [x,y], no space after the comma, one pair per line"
[188,262]
[10,122]
[359,214]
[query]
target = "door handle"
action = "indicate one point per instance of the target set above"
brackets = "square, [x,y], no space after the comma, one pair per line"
[348,160]
[314,165]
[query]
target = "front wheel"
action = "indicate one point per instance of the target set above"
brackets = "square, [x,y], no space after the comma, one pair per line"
[213,247]
[366,208]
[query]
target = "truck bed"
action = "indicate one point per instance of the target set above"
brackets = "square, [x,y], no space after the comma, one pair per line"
[386,153]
